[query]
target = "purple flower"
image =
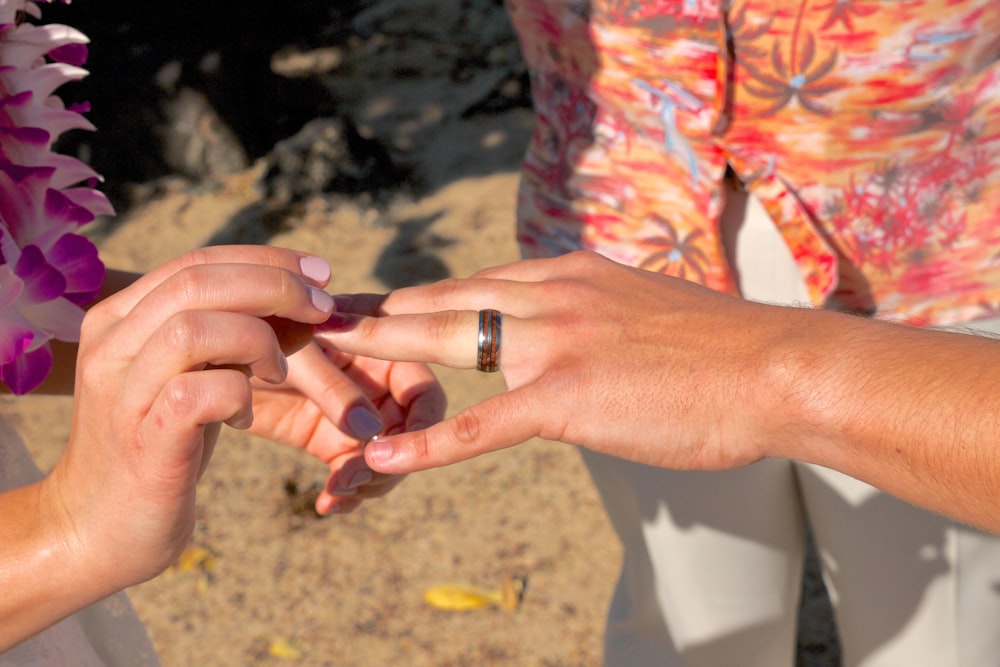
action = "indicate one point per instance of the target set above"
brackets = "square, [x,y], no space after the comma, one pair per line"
[48,272]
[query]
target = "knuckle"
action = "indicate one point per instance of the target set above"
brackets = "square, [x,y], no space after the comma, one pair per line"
[287,285]
[196,257]
[572,293]
[587,258]
[92,369]
[94,320]
[420,445]
[181,333]
[367,328]
[445,291]
[273,256]
[189,284]
[441,328]
[180,397]
[467,427]
[188,397]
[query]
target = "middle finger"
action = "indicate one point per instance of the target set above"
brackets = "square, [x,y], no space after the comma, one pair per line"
[193,340]
[250,289]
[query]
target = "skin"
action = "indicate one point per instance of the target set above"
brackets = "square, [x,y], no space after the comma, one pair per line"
[199,342]
[308,412]
[609,357]
[310,409]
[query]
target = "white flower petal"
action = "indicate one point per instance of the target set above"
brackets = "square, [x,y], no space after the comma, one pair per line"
[57,318]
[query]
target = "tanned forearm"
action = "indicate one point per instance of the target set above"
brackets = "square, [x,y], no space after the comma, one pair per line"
[42,576]
[913,412]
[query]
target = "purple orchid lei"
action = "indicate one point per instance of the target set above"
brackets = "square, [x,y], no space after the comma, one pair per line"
[48,272]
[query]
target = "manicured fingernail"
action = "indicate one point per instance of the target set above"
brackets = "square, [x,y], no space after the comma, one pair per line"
[321,301]
[360,478]
[363,423]
[338,322]
[379,451]
[283,364]
[315,268]
[332,483]
[241,421]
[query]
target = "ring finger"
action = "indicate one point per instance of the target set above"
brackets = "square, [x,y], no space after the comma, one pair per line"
[341,400]
[449,338]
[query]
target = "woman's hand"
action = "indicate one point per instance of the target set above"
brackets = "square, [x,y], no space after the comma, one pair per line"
[332,404]
[593,353]
[162,364]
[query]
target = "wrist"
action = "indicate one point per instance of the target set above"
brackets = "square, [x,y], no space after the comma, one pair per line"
[43,574]
[802,387]
[65,537]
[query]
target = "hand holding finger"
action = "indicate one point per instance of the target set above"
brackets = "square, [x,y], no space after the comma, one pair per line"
[500,421]
[613,354]
[151,398]
[414,400]
[446,337]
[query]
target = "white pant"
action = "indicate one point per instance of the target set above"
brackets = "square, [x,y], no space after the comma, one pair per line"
[713,561]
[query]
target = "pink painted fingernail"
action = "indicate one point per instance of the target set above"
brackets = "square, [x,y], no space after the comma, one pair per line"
[379,451]
[338,322]
[321,301]
[363,423]
[360,478]
[344,302]
[315,268]
[332,483]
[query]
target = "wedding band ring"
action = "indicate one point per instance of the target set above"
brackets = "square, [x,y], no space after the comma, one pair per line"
[488,351]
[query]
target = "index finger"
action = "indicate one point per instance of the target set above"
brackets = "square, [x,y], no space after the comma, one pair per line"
[500,421]
[250,289]
[313,269]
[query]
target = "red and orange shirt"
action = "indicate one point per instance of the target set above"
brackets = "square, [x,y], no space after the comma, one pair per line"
[869,130]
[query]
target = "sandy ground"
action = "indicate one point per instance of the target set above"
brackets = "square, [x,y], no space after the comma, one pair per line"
[284,587]
[348,590]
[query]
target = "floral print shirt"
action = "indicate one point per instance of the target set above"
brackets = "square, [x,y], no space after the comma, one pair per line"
[869,130]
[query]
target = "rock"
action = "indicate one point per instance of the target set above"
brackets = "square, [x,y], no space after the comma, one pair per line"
[196,141]
[329,155]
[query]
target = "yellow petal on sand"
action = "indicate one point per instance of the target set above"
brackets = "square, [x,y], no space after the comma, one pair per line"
[461,597]
[196,559]
[284,649]
[512,591]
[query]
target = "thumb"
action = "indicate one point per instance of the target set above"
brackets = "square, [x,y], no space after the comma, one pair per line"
[499,422]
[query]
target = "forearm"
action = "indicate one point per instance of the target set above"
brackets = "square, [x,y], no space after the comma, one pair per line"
[42,578]
[913,412]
